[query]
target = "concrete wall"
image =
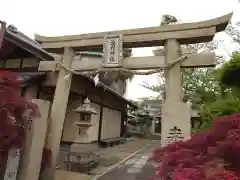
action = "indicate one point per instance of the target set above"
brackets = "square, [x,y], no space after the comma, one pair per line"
[111,125]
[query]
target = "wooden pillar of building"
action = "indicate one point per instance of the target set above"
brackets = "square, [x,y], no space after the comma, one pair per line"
[123,124]
[58,111]
[176,114]
[153,125]
[101,117]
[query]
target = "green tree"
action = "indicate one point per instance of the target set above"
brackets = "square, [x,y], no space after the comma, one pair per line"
[117,80]
[228,102]
[233,30]
[168,19]
[203,86]
[199,84]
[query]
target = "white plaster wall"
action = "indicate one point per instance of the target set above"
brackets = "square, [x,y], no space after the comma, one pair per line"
[111,124]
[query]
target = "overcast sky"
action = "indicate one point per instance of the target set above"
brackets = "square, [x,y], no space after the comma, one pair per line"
[56,17]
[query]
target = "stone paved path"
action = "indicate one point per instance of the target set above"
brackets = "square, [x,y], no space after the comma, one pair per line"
[135,168]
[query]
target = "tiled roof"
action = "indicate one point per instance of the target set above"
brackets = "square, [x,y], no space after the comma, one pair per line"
[21,40]
[14,31]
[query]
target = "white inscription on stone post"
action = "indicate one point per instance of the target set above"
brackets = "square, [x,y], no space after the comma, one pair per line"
[112,49]
[12,164]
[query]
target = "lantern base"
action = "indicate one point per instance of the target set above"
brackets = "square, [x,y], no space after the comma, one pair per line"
[82,136]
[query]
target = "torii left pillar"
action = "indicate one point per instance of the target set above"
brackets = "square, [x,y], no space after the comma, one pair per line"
[57,114]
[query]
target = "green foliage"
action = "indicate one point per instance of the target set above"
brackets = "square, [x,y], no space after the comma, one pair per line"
[222,106]
[233,30]
[168,19]
[205,125]
[229,72]
[200,86]
[227,104]
[117,80]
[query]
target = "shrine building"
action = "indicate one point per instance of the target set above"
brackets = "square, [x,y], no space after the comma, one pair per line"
[21,54]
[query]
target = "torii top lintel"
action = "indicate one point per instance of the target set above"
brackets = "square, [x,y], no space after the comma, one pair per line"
[186,33]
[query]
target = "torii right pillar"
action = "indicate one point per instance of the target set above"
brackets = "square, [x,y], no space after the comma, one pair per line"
[176,116]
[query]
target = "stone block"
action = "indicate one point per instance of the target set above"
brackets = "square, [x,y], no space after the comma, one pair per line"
[176,122]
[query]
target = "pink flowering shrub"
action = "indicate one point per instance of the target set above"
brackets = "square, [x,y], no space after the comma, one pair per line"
[210,155]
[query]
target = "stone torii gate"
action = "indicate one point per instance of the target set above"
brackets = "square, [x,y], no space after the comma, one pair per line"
[176,114]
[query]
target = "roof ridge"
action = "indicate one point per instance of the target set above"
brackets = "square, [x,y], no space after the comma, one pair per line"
[14,29]
[18,38]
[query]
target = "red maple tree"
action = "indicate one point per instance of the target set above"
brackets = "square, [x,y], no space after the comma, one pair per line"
[13,111]
[209,155]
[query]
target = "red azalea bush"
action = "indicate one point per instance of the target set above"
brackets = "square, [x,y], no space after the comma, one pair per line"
[210,155]
[13,108]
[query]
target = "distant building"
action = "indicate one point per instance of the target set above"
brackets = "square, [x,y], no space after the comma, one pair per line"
[155,107]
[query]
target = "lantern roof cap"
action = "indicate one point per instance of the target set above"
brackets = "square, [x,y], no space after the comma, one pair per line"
[83,124]
[86,108]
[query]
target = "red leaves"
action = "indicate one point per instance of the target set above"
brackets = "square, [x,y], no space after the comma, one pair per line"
[187,174]
[12,109]
[225,175]
[47,157]
[209,155]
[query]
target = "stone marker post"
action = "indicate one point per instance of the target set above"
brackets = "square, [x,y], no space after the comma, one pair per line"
[12,164]
[176,115]
[31,157]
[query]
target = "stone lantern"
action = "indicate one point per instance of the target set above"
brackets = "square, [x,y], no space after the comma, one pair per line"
[145,120]
[85,111]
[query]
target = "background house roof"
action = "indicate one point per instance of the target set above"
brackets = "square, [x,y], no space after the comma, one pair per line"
[17,45]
